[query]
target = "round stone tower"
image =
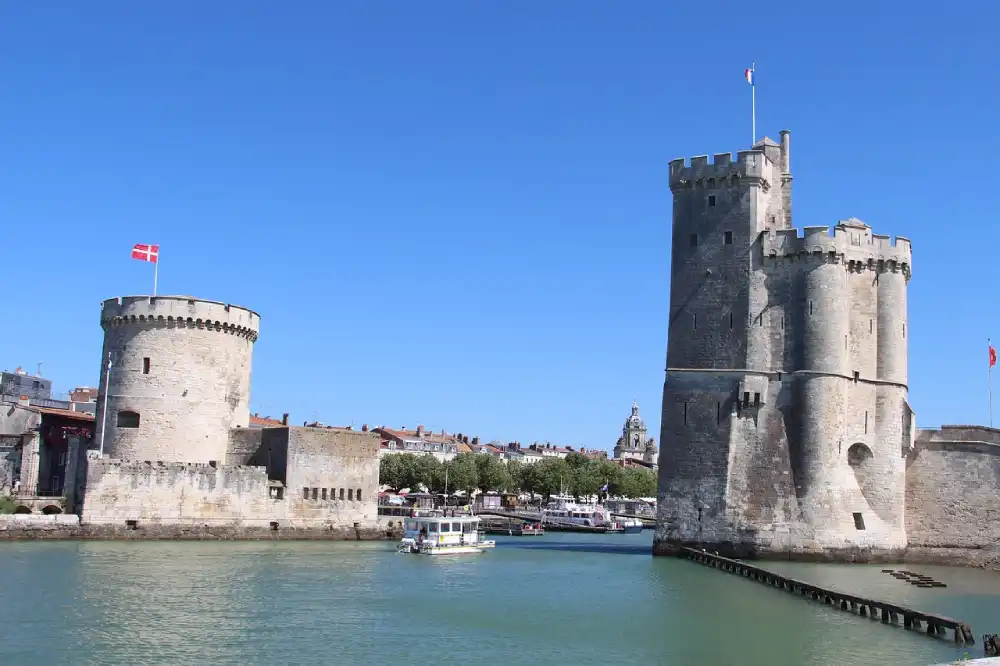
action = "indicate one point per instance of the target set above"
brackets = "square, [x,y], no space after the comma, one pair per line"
[179,377]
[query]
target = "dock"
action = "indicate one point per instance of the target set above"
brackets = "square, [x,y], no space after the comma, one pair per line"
[915,620]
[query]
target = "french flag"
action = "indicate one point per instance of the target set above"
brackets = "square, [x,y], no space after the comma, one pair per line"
[748,74]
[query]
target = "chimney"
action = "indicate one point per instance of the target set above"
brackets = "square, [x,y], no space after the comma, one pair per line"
[255,414]
[465,439]
[364,428]
[475,440]
[284,419]
[420,431]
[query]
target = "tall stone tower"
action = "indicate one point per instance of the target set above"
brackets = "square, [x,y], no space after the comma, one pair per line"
[179,377]
[785,419]
[633,442]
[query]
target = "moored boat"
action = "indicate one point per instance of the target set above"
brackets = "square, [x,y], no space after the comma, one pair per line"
[433,533]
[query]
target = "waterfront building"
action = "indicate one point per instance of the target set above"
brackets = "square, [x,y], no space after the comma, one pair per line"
[441,445]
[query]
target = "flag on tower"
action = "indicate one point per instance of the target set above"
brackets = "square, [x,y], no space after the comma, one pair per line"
[748,74]
[146,252]
[993,354]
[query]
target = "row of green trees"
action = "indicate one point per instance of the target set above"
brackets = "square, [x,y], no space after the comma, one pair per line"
[576,474]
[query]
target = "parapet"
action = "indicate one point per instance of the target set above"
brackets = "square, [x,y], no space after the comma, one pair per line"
[180,311]
[722,171]
[851,240]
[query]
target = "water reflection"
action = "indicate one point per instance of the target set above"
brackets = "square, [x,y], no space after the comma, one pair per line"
[561,598]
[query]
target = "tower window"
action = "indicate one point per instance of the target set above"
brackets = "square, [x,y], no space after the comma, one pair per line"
[904,330]
[859,521]
[866,423]
[145,365]
[756,399]
[357,494]
[730,320]
[324,493]
[127,419]
[857,375]
[315,493]
[305,493]
[694,320]
[871,326]
[728,238]
[782,322]
[718,412]
[350,494]
[711,200]
[685,413]
[341,494]
[694,240]
[746,399]
[810,307]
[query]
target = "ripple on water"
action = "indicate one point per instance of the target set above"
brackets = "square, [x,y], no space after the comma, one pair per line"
[561,598]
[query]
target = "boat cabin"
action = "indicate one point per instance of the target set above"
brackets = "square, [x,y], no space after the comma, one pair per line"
[442,530]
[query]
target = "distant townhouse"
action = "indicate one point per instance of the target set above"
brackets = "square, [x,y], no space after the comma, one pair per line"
[441,445]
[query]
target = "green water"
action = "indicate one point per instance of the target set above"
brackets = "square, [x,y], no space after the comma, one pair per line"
[557,599]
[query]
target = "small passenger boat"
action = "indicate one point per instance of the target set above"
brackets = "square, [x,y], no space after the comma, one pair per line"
[433,533]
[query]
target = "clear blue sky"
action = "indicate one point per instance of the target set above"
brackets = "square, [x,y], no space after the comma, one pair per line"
[457,213]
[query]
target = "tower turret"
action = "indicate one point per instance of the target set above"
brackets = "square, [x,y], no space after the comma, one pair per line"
[179,377]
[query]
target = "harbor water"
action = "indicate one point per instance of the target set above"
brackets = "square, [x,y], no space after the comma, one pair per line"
[555,599]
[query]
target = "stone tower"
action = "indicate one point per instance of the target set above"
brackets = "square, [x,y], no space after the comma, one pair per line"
[785,419]
[179,379]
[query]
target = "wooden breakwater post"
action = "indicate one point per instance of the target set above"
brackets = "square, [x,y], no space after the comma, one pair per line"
[936,625]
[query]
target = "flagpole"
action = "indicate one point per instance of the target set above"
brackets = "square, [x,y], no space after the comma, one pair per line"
[753,101]
[990,380]
[156,270]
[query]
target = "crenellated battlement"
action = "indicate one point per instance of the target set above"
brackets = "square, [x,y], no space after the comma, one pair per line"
[851,241]
[143,466]
[723,171]
[180,312]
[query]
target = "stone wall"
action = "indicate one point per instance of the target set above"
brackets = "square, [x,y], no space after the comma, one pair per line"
[332,482]
[953,490]
[180,377]
[243,444]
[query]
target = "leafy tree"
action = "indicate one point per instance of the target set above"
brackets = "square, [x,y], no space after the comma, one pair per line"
[515,476]
[420,471]
[392,470]
[551,476]
[637,482]
[492,473]
[459,473]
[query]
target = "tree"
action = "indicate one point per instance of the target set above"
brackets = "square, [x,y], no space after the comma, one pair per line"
[637,482]
[551,476]
[419,471]
[459,473]
[492,473]
[515,476]
[392,471]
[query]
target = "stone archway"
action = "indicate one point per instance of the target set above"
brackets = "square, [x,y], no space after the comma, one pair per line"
[22,509]
[862,462]
[51,509]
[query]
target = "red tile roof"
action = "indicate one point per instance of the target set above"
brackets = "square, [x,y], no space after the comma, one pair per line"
[265,421]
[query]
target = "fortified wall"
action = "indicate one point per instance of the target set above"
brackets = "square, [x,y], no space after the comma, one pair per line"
[953,496]
[300,478]
[785,422]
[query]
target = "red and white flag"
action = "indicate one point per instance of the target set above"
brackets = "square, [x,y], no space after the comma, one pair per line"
[146,252]
[993,354]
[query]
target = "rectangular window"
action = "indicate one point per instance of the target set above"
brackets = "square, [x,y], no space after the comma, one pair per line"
[445,527]
[730,321]
[810,307]
[746,399]
[305,493]
[357,494]
[756,399]
[871,326]
[145,365]
[694,320]
[866,423]
[315,493]
[904,330]
[718,412]
[782,322]
[694,240]
[728,238]
[341,494]
[350,494]
[857,375]
[685,413]
[859,521]
[711,200]
[779,376]
[324,493]
[845,342]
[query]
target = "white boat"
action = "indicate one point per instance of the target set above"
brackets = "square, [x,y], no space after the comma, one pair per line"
[564,510]
[433,533]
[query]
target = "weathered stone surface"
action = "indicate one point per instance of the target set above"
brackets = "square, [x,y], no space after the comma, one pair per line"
[195,387]
[785,421]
